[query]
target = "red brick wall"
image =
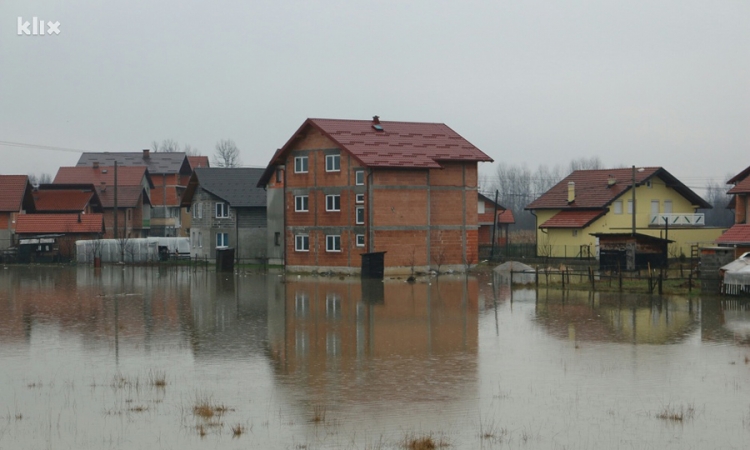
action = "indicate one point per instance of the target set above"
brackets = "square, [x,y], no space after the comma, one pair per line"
[395,207]
[740,208]
[400,245]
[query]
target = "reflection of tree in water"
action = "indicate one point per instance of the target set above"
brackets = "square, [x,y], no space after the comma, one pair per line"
[612,317]
[726,319]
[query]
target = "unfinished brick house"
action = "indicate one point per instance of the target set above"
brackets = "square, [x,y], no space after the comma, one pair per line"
[341,188]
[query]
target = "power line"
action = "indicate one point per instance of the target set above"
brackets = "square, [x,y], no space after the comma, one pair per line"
[40,147]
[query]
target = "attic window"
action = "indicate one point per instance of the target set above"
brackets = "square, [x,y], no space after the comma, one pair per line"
[376,123]
[104,170]
[377,127]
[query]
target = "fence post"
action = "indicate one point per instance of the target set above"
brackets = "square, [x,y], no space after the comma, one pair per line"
[562,276]
[660,282]
[537,277]
[591,277]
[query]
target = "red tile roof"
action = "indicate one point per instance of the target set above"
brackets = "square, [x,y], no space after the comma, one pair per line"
[506,216]
[59,223]
[127,196]
[740,176]
[12,190]
[71,200]
[742,186]
[592,189]
[198,161]
[573,219]
[399,144]
[126,175]
[738,234]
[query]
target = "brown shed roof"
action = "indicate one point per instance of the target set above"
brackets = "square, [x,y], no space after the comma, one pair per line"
[13,188]
[59,223]
[70,200]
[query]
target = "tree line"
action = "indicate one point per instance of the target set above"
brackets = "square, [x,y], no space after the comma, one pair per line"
[517,186]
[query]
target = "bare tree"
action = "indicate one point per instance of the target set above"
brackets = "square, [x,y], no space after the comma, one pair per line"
[42,178]
[227,154]
[166,146]
[190,150]
[584,163]
[720,215]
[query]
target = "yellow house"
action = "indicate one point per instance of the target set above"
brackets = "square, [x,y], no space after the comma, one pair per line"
[590,202]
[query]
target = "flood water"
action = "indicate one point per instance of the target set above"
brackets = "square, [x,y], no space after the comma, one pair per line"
[142,358]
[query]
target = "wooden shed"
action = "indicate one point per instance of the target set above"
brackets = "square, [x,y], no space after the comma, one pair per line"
[626,251]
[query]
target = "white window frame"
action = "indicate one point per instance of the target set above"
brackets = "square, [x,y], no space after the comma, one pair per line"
[359,177]
[224,210]
[333,163]
[359,198]
[480,207]
[335,199]
[200,239]
[360,238]
[333,243]
[304,199]
[300,164]
[357,219]
[630,206]
[618,207]
[301,239]
[200,210]
[224,237]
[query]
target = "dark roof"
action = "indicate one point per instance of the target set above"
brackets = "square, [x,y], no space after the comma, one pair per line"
[640,236]
[157,163]
[573,218]
[738,234]
[593,191]
[15,193]
[237,186]
[396,144]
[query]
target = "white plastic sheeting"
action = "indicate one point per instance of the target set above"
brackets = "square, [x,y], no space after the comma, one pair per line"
[138,250]
[522,273]
[737,272]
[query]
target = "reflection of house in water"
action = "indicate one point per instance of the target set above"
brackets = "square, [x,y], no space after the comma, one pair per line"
[613,317]
[725,320]
[330,340]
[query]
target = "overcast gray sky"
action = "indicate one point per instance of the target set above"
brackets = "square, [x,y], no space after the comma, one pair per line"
[658,83]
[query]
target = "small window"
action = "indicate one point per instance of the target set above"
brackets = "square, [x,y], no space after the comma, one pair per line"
[333,243]
[575,233]
[279,175]
[300,203]
[222,210]
[480,207]
[200,239]
[618,207]
[200,210]
[360,215]
[300,164]
[333,203]
[333,163]
[359,177]
[360,198]
[277,239]
[302,243]
[222,240]
[360,240]
[630,206]
[195,210]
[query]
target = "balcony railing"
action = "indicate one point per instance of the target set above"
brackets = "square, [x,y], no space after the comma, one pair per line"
[678,220]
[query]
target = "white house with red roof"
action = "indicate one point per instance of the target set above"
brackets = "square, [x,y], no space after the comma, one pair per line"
[589,202]
[342,188]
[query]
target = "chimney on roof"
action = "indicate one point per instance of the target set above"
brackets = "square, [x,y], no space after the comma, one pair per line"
[611,180]
[376,123]
[146,153]
[96,164]
[571,191]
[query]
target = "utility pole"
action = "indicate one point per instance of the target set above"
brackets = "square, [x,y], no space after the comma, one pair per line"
[494,227]
[633,187]
[115,199]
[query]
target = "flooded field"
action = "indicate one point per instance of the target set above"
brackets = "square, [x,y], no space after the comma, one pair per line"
[141,358]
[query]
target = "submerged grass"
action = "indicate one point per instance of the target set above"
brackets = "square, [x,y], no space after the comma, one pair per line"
[677,414]
[423,442]
[319,414]
[157,378]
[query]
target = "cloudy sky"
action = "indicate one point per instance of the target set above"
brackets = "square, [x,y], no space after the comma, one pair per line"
[634,82]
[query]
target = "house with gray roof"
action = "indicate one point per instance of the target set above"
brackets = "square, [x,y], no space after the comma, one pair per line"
[227,210]
[169,171]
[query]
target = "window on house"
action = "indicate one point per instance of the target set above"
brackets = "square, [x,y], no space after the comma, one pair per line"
[222,240]
[575,233]
[333,243]
[480,207]
[192,238]
[300,203]
[302,243]
[222,210]
[360,240]
[360,198]
[630,206]
[667,206]
[359,177]
[200,239]
[618,207]
[279,175]
[333,203]
[360,219]
[300,164]
[333,163]
[195,210]
[200,210]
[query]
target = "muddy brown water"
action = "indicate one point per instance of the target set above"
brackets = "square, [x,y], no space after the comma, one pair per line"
[131,358]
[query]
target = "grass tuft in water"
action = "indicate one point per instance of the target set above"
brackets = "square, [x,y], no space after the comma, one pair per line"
[676,414]
[319,414]
[237,430]
[157,378]
[424,442]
